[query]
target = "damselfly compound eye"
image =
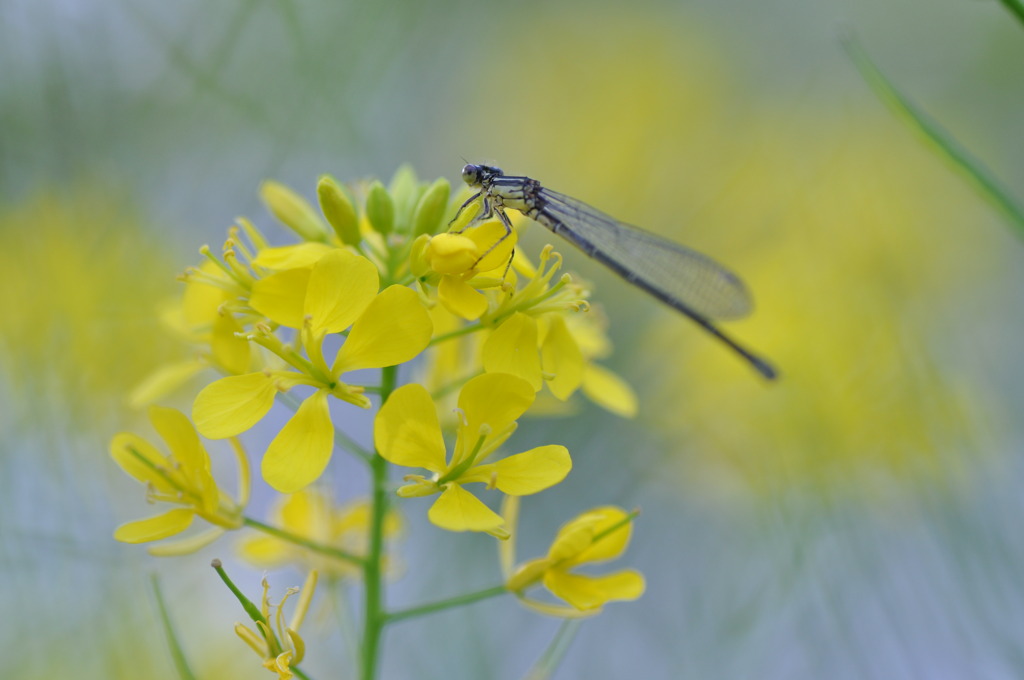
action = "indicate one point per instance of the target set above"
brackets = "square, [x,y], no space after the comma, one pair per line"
[471,174]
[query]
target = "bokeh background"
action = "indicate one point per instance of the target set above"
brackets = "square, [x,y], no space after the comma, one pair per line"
[858,519]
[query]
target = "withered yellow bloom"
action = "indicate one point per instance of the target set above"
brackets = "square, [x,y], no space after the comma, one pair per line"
[279,646]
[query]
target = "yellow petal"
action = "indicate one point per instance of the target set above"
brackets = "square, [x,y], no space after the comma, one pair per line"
[571,542]
[291,257]
[460,298]
[162,382]
[494,243]
[407,431]
[458,510]
[265,552]
[306,513]
[126,449]
[280,297]
[232,405]
[465,216]
[512,348]
[495,400]
[200,301]
[181,438]
[607,524]
[532,471]
[451,253]
[230,351]
[507,549]
[528,573]
[609,391]
[302,449]
[254,640]
[341,286]
[559,611]
[186,546]
[154,528]
[394,328]
[590,592]
[562,358]
[418,486]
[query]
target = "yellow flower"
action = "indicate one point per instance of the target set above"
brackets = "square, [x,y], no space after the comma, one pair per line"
[598,535]
[81,273]
[183,478]
[557,360]
[213,311]
[476,258]
[407,433]
[338,291]
[312,514]
[280,647]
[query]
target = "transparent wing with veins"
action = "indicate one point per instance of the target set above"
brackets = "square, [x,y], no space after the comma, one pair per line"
[679,276]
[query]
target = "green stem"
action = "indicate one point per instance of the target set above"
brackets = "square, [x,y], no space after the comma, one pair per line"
[299,674]
[465,330]
[441,605]
[373,572]
[548,662]
[1016,8]
[303,541]
[177,653]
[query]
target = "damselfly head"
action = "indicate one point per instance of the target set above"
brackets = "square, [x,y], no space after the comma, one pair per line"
[475,175]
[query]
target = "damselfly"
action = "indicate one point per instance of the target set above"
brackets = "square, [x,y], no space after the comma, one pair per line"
[682,278]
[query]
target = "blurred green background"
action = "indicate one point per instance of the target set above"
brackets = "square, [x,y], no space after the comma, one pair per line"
[859,519]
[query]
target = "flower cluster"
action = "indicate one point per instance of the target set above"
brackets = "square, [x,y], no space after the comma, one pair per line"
[321,327]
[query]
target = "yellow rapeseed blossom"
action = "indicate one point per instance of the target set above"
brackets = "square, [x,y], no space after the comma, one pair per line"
[338,292]
[558,322]
[595,536]
[81,277]
[311,514]
[537,313]
[279,646]
[182,478]
[371,285]
[474,259]
[407,433]
[868,390]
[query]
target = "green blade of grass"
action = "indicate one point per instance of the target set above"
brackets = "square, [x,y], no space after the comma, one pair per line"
[546,665]
[177,653]
[1015,7]
[979,175]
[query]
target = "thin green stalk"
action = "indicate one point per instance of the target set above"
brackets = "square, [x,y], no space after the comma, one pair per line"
[983,179]
[177,653]
[373,572]
[465,330]
[548,662]
[304,542]
[346,624]
[441,605]
[1016,8]
[298,673]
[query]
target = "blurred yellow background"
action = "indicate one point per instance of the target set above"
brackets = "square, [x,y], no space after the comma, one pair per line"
[855,520]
